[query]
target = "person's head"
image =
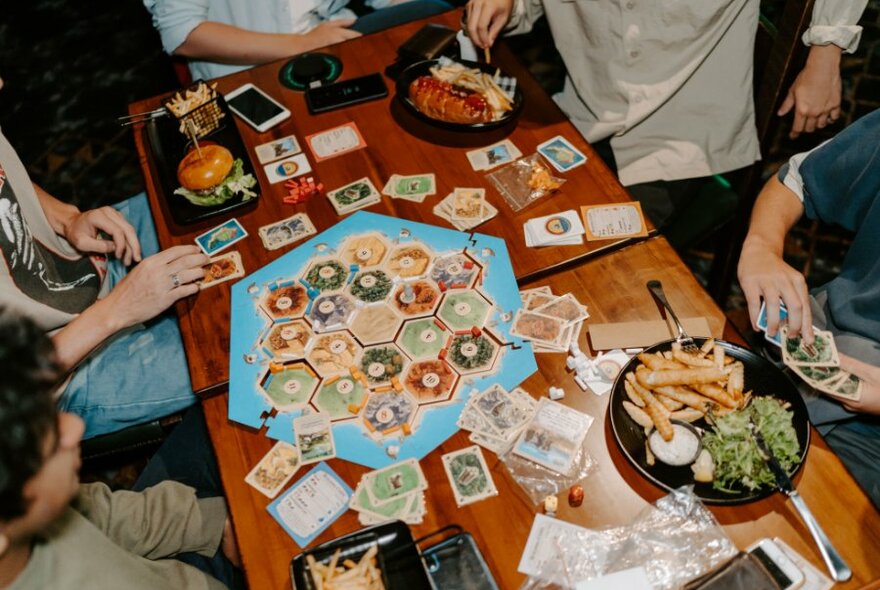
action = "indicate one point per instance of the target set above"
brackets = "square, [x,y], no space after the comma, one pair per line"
[39,448]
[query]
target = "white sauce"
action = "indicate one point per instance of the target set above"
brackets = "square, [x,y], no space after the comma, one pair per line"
[681,450]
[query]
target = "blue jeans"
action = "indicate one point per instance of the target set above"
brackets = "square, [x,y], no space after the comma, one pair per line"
[139,374]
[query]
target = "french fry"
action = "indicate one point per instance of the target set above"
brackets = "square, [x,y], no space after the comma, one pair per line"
[691,360]
[718,354]
[670,404]
[638,415]
[684,376]
[631,393]
[687,415]
[658,413]
[707,347]
[658,362]
[736,381]
[686,396]
[716,394]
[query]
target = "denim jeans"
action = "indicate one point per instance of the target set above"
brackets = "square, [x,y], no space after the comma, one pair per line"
[139,374]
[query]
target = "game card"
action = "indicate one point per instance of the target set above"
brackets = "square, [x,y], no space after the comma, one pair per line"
[222,268]
[351,197]
[287,231]
[603,222]
[312,504]
[762,322]
[554,436]
[277,149]
[537,327]
[394,481]
[314,437]
[561,154]
[563,228]
[415,187]
[221,237]
[566,308]
[494,155]
[335,142]
[275,469]
[468,476]
[288,168]
[467,204]
[822,353]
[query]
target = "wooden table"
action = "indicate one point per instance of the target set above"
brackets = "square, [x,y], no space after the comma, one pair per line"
[615,492]
[397,143]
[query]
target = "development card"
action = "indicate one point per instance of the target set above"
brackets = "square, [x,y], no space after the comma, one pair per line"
[603,222]
[494,155]
[288,168]
[275,469]
[287,231]
[468,476]
[554,436]
[335,142]
[563,228]
[562,154]
[277,149]
[351,197]
[221,237]
[314,438]
[467,204]
[536,327]
[312,504]
[222,268]
[762,322]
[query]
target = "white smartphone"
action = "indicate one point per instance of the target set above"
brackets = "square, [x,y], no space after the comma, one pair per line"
[786,573]
[255,107]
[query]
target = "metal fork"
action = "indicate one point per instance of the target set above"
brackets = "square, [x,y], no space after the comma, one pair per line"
[687,343]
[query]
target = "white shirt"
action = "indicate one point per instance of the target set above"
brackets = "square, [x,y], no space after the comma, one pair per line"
[670,81]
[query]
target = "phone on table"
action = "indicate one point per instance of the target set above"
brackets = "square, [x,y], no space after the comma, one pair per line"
[256,108]
[784,571]
[345,93]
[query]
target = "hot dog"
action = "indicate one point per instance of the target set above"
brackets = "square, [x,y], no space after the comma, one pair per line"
[446,102]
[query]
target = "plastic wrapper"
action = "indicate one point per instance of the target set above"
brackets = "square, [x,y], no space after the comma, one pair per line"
[524,181]
[539,481]
[675,540]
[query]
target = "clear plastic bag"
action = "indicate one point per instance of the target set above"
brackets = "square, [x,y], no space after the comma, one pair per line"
[524,181]
[675,540]
[539,481]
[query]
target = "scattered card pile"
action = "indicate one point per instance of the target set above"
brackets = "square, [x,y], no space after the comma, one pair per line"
[465,208]
[410,188]
[549,321]
[468,476]
[396,492]
[559,229]
[818,365]
[495,418]
[494,155]
[353,196]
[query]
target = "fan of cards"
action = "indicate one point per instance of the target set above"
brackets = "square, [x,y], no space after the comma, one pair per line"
[549,321]
[496,418]
[396,492]
[817,364]
[465,208]
[410,188]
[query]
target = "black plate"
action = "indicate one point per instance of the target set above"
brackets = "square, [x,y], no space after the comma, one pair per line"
[404,568]
[761,376]
[169,146]
[423,68]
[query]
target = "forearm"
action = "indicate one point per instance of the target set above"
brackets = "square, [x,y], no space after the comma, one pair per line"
[222,43]
[60,214]
[776,211]
[85,333]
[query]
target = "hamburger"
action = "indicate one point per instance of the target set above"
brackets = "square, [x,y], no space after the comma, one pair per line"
[212,177]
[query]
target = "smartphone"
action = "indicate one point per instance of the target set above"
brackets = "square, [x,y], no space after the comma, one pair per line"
[346,93]
[256,108]
[784,571]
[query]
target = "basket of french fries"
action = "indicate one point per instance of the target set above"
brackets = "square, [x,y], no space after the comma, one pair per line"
[357,567]
[196,109]
[681,418]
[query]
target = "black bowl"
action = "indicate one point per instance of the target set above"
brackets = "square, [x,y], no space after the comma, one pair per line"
[423,68]
[762,377]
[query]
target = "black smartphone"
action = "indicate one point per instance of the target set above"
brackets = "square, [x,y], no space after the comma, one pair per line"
[345,93]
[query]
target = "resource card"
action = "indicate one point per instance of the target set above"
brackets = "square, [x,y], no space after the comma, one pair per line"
[494,155]
[222,268]
[275,469]
[562,154]
[469,476]
[287,231]
[554,436]
[356,195]
[221,237]
[314,437]
[277,149]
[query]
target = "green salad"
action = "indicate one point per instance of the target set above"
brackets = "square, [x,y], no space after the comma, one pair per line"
[738,461]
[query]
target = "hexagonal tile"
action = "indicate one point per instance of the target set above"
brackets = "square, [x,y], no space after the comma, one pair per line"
[364,250]
[285,302]
[334,353]
[416,299]
[328,274]
[331,312]
[430,381]
[290,387]
[386,413]
[380,363]
[341,398]
[469,354]
[375,324]
[410,261]
[371,286]
[423,338]
[454,271]
[463,309]
[287,340]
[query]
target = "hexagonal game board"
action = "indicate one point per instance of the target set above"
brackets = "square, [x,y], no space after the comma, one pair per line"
[385,325]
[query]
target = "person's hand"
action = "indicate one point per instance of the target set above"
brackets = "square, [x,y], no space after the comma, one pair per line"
[229,545]
[764,275]
[815,94]
[486,18]
[83,230]
[155,284]
[330,33]
[869,399]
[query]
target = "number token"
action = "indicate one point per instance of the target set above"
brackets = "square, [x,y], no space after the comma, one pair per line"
[469,349]
[284,303]
[345,386]
[289,333]
[406,262]
[431,380]
[292,386]
[428,335]
[376,369]
[384,416]
[462,308]
[338,346]
[454,269]
[327,272]
[364,254]
[368,281]
[327,307]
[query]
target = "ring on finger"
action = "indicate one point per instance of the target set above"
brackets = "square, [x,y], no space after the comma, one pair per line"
[175,280]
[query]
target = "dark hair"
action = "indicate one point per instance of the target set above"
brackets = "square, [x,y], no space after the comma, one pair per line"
[28,374]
